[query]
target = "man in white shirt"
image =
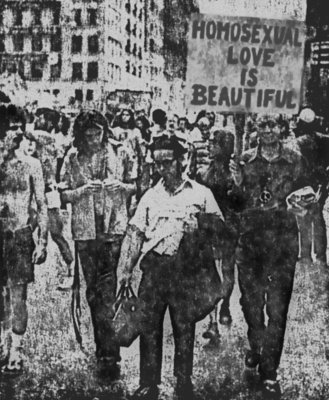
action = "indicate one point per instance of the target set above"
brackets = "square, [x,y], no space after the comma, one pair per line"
[175,230]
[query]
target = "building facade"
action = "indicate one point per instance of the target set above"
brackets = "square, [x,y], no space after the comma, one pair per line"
[96,52]
[31,41]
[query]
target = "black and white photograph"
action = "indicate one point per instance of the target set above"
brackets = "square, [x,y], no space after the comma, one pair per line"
[164,200]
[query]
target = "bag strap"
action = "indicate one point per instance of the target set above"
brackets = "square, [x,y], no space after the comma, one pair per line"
[76,301]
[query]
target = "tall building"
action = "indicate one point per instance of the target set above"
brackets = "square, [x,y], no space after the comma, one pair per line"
[317,57]
[84,69]
[31,41]
[97,52]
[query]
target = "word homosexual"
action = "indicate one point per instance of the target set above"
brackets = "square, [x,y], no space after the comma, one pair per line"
[246,33]
[245,97]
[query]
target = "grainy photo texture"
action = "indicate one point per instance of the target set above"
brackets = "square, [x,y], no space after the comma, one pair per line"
[164,171]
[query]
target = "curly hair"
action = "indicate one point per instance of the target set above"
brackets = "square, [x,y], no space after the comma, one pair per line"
[88,119]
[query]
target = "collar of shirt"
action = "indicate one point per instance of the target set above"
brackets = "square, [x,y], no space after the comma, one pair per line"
[283,155]
[187,183]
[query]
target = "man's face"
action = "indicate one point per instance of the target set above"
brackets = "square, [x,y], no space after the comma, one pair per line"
[28,146]
[182,125]
[269,131]
[125,116]
[165,164]
[205,130]
[94,137]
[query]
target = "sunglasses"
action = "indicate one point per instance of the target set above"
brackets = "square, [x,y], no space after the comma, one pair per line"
[264,124]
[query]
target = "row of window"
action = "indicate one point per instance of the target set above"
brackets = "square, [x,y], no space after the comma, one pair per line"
[116,47]
[92,71]
[91,19]
[134,10]
[132,49]
[93,46]
[31,17]
[32,69]
[19,43]
[79,95]
[114,73]
[133,30]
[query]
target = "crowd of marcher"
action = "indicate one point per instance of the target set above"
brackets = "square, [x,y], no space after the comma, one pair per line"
[179,200]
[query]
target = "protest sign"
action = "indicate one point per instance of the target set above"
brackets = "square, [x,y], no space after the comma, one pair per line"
[242,64]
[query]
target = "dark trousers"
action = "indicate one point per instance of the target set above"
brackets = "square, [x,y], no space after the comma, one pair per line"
[161,287]
[99,261]
[313,218]
[266,260]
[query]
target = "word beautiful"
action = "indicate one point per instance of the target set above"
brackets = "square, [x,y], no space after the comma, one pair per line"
[251,59]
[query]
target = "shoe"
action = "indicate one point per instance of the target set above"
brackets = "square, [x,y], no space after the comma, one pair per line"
[107,369]
[321,260]
[225,317]
[146,393]
[271,390]
[66,284]
[184,389]
[252,359]
[14,365]
[212,333]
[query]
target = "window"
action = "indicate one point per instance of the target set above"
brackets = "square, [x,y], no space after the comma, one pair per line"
[56,42]
[18,40]
[18,18]
[57,12]
[77,17]
[127,48]
[134,30]
[37,17]
[135,49]
[128,29]
[2,43]
[78,95]
[76,44]
[77,71]
[92,71]
[92,16]
[128,6]
[140,53]
[55,70]
[127,66]
[90,95]
[36,43]
[152,45]
[36,70]
[93,44]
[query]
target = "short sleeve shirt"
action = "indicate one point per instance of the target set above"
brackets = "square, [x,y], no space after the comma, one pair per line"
[163,217]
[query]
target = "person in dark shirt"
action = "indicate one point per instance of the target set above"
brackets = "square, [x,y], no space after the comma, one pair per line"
[267,248]
[219,179]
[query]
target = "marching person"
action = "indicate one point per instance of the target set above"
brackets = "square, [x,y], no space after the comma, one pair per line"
[219,179]
[267,246]
[48,152]
[314,147]
[21,182]
[164,230]
[98,180]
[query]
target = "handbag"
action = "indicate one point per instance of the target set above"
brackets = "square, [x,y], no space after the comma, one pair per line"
[129,316]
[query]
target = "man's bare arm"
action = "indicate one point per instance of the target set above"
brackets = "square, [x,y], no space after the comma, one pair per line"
[130,252]
[39,193]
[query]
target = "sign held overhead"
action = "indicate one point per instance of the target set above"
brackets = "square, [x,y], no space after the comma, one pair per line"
[242,64]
